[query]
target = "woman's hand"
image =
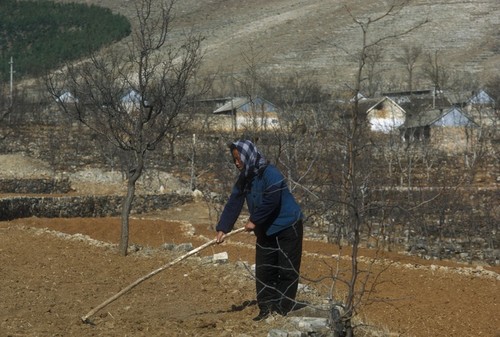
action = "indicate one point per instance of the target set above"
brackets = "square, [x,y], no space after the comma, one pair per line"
[249,226]
[220,237]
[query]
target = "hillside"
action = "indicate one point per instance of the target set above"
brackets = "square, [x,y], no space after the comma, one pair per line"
[318,38]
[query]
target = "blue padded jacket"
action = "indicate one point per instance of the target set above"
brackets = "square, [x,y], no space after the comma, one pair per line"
[271,205]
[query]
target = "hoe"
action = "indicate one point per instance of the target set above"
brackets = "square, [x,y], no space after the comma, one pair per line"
[85,318]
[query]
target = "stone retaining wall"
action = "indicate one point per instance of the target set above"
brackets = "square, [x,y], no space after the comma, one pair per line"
[35,186]
[82,206]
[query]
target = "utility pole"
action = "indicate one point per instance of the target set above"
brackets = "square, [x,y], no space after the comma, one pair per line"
[11,97]
[193,156]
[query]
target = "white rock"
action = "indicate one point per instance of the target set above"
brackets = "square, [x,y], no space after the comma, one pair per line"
[197,194]
[221,257]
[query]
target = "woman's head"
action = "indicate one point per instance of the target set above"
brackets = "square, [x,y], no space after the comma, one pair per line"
[246,157]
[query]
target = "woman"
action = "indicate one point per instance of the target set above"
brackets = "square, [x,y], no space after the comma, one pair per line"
[276,220]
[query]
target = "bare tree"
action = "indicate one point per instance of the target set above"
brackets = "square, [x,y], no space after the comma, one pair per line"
[462,86]
[411,54]
[436,72]
[356,168]
[300,100]
[250,85]
[250,82]
[493,88]
[373,59]
[133,98]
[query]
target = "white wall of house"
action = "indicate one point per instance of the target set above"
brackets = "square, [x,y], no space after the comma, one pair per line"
[385,116]
[249,121]
[385,125]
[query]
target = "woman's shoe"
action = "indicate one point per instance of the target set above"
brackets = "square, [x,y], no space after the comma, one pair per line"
[263,314]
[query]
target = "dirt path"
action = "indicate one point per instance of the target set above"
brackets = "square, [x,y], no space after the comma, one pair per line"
[50,280]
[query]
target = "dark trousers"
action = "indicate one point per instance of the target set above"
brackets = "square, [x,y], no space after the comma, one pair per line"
[277,265]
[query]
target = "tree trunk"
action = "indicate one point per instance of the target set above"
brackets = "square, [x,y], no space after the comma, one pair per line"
[127,204]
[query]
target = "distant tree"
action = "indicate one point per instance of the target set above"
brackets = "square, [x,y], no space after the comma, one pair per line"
[133,99]
[410,57]
[300,100]
[493,88]
[462,86]
[373,59]
[436,72]
[249,85]
[249,82]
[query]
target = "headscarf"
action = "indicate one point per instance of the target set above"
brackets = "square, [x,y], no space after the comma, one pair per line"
[253,161]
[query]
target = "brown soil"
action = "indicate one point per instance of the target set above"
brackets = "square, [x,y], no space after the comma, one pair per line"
[50,280]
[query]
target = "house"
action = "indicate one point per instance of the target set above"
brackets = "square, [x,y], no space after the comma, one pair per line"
[209,104]
[385,116]
[131,96]
[481,98]
[419,100]
[481,107]
[66,97]
[246,112]
[443,127]
[359,96]
[245,104]
[406,96]
[132,100]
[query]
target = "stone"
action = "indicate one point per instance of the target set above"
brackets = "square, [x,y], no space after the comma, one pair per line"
[184,247]
[168,246]
[197,194]
[309,324]
[221,258]
[277,333]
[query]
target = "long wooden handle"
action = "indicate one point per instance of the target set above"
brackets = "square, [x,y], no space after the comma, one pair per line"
[85,318]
